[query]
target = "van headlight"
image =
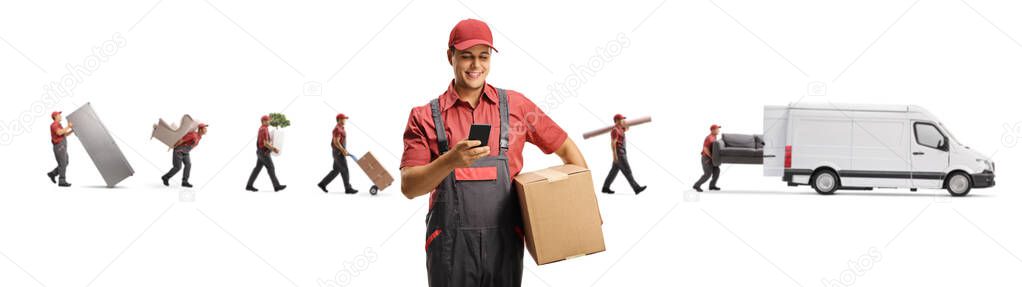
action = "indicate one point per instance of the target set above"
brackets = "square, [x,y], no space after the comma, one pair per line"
[988,164]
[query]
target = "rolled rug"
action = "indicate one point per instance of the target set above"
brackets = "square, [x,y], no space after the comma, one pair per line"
[631,122]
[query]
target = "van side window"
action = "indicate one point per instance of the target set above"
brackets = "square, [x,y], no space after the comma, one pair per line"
[928,135]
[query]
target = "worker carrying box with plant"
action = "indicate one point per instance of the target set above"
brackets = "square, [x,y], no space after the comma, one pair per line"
[265,145]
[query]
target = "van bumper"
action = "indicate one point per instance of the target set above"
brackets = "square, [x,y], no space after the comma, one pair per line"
[983,179]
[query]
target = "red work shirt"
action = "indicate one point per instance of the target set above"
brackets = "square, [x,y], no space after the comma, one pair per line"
[264,135]
[340,135]
[191,139]
[618,135]
[55,136]
[527,124]
[707,143]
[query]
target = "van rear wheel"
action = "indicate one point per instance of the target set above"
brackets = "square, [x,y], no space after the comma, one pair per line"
[958,184]
[825,182]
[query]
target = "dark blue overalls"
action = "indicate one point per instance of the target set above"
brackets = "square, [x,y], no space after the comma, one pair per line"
[473,226]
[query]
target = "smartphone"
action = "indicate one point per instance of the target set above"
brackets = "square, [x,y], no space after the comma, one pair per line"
[481,133]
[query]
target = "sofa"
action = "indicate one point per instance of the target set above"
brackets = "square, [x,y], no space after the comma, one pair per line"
[169,134]
[737,149]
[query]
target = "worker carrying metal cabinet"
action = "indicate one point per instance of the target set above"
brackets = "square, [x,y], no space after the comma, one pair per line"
[58,137]
[182,155]
[473,227]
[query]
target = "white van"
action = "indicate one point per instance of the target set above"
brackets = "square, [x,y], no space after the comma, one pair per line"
[839,146]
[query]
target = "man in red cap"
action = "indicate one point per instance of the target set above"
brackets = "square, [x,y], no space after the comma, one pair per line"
[182,154]
[617,146]
[58,135]
[339,149]
[264,145]
[473,227]
[707,162]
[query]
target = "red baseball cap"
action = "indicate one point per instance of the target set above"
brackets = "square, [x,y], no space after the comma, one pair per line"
[714,126]
[341,116]
[618,117]
[203,125]
[54,114]
[470,32]
[265,117]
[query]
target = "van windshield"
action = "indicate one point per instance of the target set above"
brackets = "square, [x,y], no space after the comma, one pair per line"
[949,134]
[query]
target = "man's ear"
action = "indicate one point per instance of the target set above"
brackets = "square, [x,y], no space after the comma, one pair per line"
[450,56]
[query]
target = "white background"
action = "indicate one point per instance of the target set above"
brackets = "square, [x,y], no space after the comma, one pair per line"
[687,64]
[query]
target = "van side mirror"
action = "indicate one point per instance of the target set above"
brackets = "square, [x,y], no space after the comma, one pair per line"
[944,146]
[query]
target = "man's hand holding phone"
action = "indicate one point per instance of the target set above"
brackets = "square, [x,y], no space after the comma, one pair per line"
[466,152]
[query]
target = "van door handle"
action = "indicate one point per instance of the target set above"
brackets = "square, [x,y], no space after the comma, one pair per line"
[918,153]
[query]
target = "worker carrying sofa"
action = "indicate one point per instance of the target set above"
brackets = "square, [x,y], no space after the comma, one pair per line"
[737,149]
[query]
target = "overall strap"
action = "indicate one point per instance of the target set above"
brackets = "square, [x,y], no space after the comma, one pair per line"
[442,147]
[438,121]
[504,122]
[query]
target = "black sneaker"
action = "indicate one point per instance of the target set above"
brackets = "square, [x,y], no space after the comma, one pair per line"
[322,187]
[52,176]
[64,184]
[186,184]
[714,188]
[351,191]
[279,188]
[166,181]
[641,188]
[250,188]
[608,191]
[697,188]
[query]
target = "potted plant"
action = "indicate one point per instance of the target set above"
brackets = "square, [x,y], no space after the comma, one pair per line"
[278,121]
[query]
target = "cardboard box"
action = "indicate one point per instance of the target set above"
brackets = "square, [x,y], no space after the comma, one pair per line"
[560,212]
[377,174]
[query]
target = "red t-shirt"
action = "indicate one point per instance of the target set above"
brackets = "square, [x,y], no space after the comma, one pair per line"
[55,136]
[707,144]
[527,122]
[191,139]
[341,135]
[264,135]
[618,135]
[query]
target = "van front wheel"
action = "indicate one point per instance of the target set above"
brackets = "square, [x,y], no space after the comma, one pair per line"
[959,184]
[825,182]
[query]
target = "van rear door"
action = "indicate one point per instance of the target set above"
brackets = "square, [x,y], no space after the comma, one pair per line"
[775,138]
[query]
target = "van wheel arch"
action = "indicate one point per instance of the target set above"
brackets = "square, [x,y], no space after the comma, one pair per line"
[828,171]
[951,175]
